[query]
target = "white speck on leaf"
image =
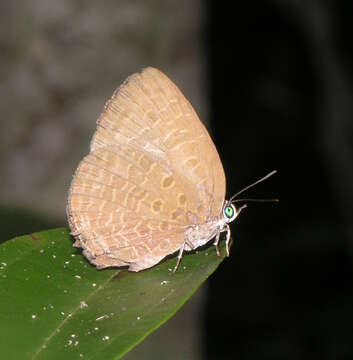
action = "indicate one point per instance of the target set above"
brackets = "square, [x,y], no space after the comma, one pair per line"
[83,305]
[77,276]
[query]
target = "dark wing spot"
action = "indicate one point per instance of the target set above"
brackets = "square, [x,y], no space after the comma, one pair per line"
[182,199]
[157,205]
[167,182]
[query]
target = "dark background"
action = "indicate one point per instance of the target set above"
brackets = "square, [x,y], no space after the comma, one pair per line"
[281,97]
[278,78]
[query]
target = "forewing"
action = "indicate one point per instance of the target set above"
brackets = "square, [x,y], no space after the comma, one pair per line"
[149,112]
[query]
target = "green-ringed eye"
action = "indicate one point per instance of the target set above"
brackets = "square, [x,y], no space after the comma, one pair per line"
[229,213]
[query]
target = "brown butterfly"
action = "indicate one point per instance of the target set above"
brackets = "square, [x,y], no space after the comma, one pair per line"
[153,183]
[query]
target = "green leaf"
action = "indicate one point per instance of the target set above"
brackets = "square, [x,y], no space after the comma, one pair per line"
[55,305]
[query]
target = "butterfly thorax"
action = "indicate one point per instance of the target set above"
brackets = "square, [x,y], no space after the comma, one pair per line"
[200,234]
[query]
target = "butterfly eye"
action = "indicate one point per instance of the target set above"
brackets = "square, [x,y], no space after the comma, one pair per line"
[229,213]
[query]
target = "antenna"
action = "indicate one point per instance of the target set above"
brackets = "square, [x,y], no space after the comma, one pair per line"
[255,200]
[250,186]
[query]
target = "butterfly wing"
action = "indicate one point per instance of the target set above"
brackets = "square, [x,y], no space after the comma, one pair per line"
[152,171]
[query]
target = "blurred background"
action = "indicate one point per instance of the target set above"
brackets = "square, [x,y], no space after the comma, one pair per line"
[273,82]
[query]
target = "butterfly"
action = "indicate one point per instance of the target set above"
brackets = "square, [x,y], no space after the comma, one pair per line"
[153,183]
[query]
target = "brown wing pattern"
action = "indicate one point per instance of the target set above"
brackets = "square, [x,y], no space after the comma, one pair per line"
[152,171]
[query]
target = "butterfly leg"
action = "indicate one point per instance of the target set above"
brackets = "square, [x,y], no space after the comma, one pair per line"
[227,229]
[190,244]
[216,242]
[180,255]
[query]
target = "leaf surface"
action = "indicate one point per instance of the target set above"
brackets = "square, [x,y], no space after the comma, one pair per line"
[55,305]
